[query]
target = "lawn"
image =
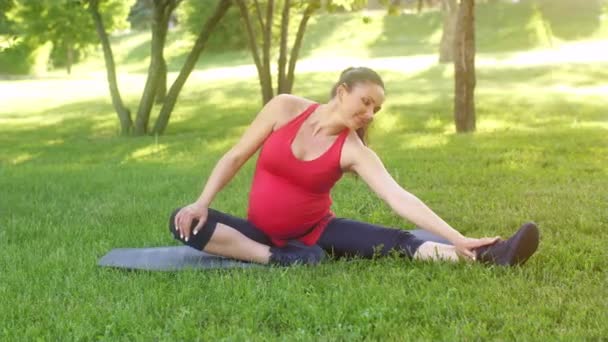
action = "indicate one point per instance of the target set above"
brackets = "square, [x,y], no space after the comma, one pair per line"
[71,189]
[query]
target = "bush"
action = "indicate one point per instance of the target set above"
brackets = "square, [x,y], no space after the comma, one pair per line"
[228,34]
[24,57]
[58,56]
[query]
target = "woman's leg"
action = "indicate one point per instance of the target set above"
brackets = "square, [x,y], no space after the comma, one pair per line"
[232,237]
[347,238]
[437,251]
[227,236]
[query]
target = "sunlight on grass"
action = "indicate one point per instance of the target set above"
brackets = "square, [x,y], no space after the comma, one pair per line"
[386,122]
[434,123]
[573,90]
[435,37]
[488,125]
[590,124]
[54,142]
[179,46]
[22,158]
[573,52]
[147,152]
[367,33]
[221,145]
[425,141]
[517,160]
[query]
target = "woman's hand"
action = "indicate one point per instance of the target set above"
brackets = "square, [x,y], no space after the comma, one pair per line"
[465,246]
[185,217]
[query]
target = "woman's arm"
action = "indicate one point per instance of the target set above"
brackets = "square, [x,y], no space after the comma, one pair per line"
[369,167]
[249,143]
[232,161]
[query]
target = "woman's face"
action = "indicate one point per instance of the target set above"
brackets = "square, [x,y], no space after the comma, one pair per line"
[360,103]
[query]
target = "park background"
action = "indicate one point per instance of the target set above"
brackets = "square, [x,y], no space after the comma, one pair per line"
[73,185]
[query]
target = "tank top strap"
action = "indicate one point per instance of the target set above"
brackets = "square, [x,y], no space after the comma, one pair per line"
[296,122]
[336,149]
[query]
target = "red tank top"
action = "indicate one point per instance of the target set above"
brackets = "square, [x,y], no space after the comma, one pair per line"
[289,198]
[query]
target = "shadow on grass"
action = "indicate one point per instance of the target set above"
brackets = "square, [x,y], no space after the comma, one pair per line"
[503,26]
[213,116]
[500,27]
[209,58]
[406,35]
[319,32]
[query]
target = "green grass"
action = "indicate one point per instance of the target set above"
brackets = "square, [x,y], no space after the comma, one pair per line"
[70,190]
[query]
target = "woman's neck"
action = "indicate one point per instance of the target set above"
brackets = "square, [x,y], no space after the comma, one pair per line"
[327,120]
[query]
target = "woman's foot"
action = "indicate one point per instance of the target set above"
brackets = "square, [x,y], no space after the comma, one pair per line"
[514,251]
[296,253]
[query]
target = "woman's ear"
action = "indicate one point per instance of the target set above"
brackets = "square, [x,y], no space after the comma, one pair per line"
[341,91]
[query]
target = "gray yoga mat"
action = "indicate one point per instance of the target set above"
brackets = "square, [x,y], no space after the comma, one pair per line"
[184,257]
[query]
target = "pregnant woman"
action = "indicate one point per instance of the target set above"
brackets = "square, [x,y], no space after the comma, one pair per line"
[305,148]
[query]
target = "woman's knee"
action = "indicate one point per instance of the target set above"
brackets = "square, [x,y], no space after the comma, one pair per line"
[172,223]
[408,243]
[203,236]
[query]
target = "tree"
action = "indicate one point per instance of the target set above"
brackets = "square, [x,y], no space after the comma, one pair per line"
[157,67]
[64,23]
[193,56]
[5,23]
[449,12]
[124,114]
[229,34]
[260,28]
[264,23]
[464,68]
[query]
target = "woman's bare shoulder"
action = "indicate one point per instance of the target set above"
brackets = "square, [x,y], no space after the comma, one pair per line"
[289,106]
[352,148]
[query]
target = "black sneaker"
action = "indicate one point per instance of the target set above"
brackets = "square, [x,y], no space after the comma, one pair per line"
[514,251]
[296,252]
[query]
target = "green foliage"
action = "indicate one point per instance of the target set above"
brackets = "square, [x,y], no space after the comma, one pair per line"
[64,23]
[22,57]
[345,5]
[229,33]
[5,23]
[141,15]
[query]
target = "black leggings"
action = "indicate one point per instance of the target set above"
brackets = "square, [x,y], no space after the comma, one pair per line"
[341,238]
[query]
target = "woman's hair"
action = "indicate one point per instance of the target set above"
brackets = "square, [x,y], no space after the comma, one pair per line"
[352,76]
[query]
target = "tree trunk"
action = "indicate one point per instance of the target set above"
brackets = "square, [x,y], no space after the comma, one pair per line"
[199,45]
[265,84]
[160,22]
[449,10]
[464,68]
[285,79]
[267,40]
[258,11]
[295,50]
[161,91]
[282,85]
[69,58]
[124,115]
